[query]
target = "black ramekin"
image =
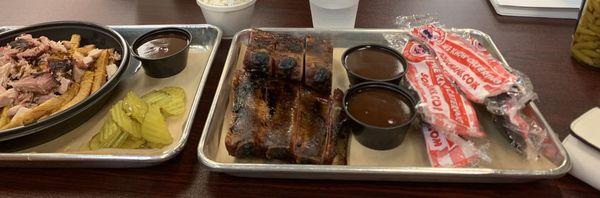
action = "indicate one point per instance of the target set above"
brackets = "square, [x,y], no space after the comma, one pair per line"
[355,78]
[374,137]
[165,66]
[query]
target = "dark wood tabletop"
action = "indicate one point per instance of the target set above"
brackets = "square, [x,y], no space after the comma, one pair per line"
[537,47]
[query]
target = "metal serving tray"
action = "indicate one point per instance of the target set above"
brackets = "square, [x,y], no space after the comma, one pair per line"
[408,162]
[69,150]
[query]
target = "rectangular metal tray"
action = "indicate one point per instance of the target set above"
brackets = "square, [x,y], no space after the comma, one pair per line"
[371,164]
[65,151]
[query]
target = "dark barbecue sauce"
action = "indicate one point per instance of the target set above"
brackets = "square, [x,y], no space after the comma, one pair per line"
[374,63]
[379,107]
[161,46]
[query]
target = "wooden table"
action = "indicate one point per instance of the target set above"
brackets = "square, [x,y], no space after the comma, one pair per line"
[538,47]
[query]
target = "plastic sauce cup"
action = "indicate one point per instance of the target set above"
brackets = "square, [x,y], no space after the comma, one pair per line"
[379,137]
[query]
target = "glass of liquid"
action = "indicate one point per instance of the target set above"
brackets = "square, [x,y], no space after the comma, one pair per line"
[586,41]
[333,13]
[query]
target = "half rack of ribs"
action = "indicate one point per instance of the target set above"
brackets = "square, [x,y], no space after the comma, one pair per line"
[283,106]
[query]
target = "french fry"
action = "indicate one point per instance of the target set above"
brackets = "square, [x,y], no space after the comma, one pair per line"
[86,48]
[74,42]
[84,90]
[4,119]
[41,110]
[100,71]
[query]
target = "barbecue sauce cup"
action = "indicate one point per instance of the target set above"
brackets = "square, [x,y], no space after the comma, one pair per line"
[163,52]
[379,113]
[373,63]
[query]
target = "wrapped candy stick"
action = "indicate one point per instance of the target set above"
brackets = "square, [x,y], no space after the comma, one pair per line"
[451,151]
[441,104]
[477,75]
[483,79]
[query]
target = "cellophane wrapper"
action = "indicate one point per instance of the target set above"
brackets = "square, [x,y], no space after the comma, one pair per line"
[440,104]
[448,150]
[481,77]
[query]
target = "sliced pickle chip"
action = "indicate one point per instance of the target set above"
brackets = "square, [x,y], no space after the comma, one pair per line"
[156,97]
[154,127]
[109,135]
[171,100]
[118,115]
[139,122]
[95,143]
[119,141]
[176,105]
[155,145]
[135,107]
[133,143]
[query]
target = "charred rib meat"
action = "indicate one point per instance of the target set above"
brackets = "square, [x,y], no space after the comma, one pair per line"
[318,64]
[250,116]
[289,58]
[284,110]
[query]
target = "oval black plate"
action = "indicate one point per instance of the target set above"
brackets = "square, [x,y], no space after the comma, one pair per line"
[60,123]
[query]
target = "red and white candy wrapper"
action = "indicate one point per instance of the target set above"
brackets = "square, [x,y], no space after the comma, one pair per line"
[481,77]
[477,75]
[441,104]
[516,97]
[525,133]
[450,152]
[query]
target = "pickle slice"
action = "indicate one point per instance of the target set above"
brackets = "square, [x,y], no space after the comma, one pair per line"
[135,107]
[133,143]
[118,115]
[156,97]
[155,145]
[176,105]
[171,100]
[95,143]
[154,127]
[108,135]
[119,141]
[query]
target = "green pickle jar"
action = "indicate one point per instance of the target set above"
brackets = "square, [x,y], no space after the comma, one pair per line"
[586,42]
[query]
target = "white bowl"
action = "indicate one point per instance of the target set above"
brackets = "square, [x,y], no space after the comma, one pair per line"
[231,19]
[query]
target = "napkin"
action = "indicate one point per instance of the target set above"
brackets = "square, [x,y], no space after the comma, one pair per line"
[542,3]
[584,152]
[566,9]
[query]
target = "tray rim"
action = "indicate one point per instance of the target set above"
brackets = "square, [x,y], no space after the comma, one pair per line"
[146,160]
[239,169]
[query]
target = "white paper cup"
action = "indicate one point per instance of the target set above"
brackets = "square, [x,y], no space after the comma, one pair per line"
[231,19]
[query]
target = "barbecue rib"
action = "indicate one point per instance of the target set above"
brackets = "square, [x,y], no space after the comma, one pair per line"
[262,40]
[250,117]
[310,138]
[318,128]
[259,54]
[283,107]
[289,58]
[258,61]
[282,102]
[337,137]
[318,64]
